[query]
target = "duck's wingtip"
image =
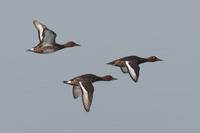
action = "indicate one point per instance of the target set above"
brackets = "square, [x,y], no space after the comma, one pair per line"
[35,21]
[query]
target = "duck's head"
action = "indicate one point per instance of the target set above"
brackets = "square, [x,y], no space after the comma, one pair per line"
[71,44]
[153,59]
[108,78]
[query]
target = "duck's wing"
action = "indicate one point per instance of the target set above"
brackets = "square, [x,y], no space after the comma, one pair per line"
[49,37]
[46,36]
[40,27]
[133,69]
[124,69]
[76,91]
[87,94]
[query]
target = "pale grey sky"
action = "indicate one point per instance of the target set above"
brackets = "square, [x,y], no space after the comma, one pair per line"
[166,98]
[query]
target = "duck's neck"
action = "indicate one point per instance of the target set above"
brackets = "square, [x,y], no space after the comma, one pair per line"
[96,78]
[60,46]
[64,45]
[142,60]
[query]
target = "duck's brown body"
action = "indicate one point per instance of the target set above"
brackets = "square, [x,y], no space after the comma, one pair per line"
[83,85]
[130,64]
[120,62]
[47,40]
[87,77]
[51,48]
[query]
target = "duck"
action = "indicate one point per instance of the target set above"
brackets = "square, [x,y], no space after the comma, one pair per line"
[83,85]
[130,64]
[47,43]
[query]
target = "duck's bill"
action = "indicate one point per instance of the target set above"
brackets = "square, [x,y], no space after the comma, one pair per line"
[159,59]
[114,78]
[77,45]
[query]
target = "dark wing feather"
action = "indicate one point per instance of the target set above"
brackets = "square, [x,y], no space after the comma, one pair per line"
[133,69]
[87,94]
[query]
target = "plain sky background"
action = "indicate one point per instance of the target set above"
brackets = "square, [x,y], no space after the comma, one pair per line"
[166,99]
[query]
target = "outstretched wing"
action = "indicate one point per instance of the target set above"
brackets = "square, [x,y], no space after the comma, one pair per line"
[87,94]
[46,36]
[40,27]
[76,91]
[133,70]
[124,69]
[49,37]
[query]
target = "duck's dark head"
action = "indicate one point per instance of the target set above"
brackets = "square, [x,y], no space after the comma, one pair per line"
[108,78]
[153,59]
[71,44]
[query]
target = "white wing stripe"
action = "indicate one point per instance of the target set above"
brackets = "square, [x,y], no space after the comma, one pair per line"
[85,98]
[131,70]
[41,37]
[82,87]
[40,28]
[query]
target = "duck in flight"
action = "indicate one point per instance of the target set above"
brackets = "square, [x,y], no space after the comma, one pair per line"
[83,85]
[130,64]
[47,43]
